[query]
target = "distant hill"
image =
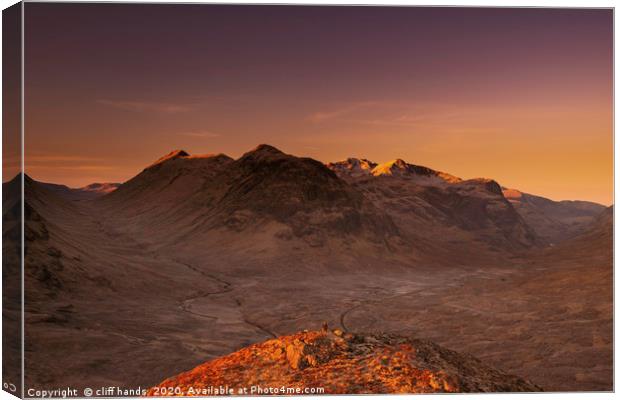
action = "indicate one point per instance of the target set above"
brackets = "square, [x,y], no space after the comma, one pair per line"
[87,192]
[595,242]
[553,221]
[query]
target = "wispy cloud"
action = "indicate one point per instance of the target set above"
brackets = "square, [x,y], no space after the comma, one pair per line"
[350,108]
[42,158]
[148,106]
[65,162]
[390,113]
[411,120]
[71,167]
[200,134]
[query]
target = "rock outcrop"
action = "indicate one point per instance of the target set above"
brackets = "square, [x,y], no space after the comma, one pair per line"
[345,363]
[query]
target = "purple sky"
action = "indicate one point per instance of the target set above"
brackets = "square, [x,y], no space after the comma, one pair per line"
[523,96]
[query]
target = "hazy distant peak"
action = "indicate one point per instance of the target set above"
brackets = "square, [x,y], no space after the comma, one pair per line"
[361,162]
[97,185]
[360,167]
[102,188]
[209,155]
[394,167]
[399,167]
[353,167]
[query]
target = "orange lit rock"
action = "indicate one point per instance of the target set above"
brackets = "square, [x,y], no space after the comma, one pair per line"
[353,364]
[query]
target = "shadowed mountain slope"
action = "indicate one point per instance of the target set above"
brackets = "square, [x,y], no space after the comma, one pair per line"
[594,243]
[83,283]
[441,210]
[265,189]
[396,207]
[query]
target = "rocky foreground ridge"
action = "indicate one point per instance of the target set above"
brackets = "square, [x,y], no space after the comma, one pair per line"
[343,363]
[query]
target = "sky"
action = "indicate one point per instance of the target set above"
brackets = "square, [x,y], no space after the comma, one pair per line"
[522,96]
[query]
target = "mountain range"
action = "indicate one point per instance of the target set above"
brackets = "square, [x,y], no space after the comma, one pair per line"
[214,253]
[396,206]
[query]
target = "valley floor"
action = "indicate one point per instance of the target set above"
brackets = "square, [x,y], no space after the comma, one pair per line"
[546,318]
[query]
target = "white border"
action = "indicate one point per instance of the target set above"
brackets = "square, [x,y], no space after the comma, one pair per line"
[478,3]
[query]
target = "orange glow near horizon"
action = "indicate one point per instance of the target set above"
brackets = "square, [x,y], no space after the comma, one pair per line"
[522,96]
